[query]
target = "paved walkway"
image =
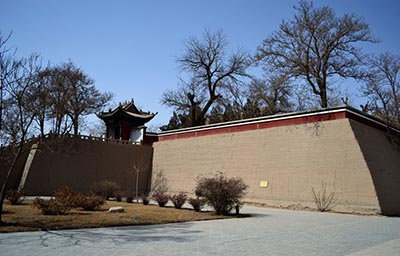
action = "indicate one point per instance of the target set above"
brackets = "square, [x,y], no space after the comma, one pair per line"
[269,232]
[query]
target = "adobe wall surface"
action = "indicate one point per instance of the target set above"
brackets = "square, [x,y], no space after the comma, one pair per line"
[293,159]
[78,164]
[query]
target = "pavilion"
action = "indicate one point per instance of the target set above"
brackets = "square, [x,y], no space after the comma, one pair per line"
[126,122]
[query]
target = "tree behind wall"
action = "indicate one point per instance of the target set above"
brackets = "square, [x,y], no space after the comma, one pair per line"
[315,47]
[210,73]
[64,96]
[272,96]
[382,87]
[73,95]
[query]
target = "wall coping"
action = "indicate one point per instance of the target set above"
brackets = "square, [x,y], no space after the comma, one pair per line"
[294,118]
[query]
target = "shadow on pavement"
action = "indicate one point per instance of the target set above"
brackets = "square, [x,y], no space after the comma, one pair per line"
[120,236]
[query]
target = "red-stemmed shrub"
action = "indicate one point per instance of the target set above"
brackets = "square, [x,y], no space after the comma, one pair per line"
[130,197]
[145,199]
[161,199]
[178,199]
[118,196]
[196,203]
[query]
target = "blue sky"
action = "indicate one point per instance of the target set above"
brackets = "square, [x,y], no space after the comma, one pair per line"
[130,47]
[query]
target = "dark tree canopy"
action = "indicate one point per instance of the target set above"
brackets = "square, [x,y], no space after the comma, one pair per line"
[317,46]
[210,72]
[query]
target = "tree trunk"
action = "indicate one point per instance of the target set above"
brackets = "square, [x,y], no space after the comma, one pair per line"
[193,116]
[41,125]
[137,186]
[1,104]
[75,123]
[324,98]
[76,129]
[6,181]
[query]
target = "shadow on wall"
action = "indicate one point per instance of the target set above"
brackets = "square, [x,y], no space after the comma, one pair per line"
[383,161]
[78,163]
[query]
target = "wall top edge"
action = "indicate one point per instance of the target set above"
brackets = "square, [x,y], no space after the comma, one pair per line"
[281,117]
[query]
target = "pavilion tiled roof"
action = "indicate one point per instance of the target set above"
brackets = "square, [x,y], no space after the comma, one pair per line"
[127,110]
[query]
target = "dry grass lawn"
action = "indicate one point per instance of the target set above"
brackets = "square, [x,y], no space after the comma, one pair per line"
[26,218]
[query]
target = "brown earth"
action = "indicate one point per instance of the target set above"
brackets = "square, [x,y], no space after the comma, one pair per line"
[24,217]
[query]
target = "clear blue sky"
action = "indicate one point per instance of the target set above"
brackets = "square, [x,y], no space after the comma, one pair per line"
[130,47]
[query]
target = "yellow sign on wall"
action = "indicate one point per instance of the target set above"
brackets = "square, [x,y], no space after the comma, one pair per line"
[263,184]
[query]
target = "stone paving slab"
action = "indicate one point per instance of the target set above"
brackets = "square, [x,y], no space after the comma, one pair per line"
[268,232]
[389,248]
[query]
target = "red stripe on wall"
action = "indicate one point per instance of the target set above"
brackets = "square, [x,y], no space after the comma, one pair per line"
[255,126]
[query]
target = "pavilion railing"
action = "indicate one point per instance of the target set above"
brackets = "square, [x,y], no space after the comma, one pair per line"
[84,137]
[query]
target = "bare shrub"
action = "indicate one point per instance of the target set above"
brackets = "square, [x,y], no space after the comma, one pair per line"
[118,196]
[323,200]
[159,188]
[161,198]
[196,203]
[15,197]
[220,192]
[130,197]
[159,184]
[145,200]
[64,200]
[51,207]
[105,188]
[67,197]
[90,203]
[178,199]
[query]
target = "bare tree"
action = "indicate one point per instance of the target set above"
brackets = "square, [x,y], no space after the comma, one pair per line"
[7,67]
[210,71]
[81,96]
[18,114]
[97,129]
[383,87]
[70,96]
[316,46]
[41,101]
[304,99]
[271,95]
[58,90]
[140,164]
